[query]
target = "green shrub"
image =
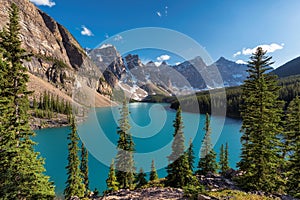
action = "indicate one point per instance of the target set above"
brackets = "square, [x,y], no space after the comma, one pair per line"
[192,191]
[155,183]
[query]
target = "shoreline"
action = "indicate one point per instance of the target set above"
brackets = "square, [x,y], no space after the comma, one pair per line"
[56,122]
[62,121]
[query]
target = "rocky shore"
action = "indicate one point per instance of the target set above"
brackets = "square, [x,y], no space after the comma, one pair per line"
[40,123]
[216,187]
[60,120]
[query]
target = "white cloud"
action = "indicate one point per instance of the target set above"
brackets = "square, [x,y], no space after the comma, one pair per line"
[106,36]
[241,62]
[158,13]
[86,31]
[118,38]
[237,54]
[166,11]
[163,57]
[49,3]
[270,48]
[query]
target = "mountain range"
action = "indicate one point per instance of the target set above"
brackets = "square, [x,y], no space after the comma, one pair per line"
[140,79]
[59,63]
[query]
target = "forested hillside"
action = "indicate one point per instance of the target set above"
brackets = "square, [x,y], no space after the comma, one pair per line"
[289,90]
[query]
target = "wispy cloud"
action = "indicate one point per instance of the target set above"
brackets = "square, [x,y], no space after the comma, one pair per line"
[270,48]
[85,31]
[237,54]
[118,38]
[163,57]
[166,11]
[49,3]
[162,13]
[241,62]
[106,36]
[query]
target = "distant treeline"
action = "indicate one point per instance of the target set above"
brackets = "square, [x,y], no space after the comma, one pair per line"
[48,104]
[290,88]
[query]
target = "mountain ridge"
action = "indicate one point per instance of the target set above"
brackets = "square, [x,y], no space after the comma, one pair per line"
[290,68]
[182,78]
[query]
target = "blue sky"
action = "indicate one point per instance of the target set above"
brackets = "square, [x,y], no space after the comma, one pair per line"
[223,28]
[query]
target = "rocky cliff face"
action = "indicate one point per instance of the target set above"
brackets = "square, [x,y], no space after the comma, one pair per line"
[58,57]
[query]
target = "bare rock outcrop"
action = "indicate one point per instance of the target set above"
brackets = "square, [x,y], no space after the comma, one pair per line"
[146,194]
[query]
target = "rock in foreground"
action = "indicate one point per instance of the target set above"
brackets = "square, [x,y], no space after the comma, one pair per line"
[146,194]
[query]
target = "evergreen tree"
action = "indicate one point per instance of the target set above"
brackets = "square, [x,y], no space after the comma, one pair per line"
[190,155]
[261,112]
[34,103]
[141,179]
[74,183]
[153,173]
[41,106]
[21,169]
[124,161]
[57,104]
[52,103]
[207,162]
[292,138]
[179,172]
[111,181]
[84,168]
[226,157]
[45,101]
[224,162]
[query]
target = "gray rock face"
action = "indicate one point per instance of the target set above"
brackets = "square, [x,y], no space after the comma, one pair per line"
[104,56]
[146,194]
[193,71]
[233,74]
[58,57]
[104,88]
[216,182]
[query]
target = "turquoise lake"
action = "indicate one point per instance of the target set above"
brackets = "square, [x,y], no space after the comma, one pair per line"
[152,130]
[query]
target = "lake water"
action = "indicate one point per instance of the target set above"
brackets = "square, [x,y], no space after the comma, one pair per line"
[152,132]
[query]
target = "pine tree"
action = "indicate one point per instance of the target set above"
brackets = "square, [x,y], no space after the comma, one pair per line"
[261,112]
[226,157]
[141,179]
[57,104]
[292,138]
[74,183]
[84,168]
[41,106]
[179,172]
[7,139]
[34,103]
[207,163]
[52,102]
[22,171]
[224,160]
[153,173]
[45,101]
[190,155]
[111,181]
[125,169]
